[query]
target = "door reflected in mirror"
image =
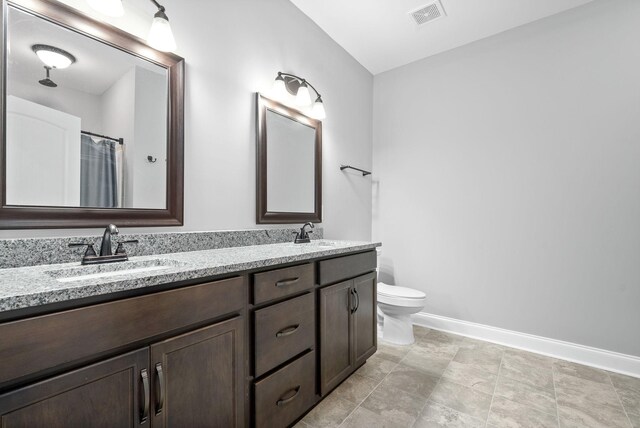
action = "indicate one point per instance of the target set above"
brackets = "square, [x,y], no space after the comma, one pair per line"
[82,118]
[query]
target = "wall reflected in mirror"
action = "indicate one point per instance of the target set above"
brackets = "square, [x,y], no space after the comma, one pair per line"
[290,165]
[81,136]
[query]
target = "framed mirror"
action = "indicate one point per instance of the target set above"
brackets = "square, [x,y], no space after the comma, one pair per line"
[289,158]
[92,123]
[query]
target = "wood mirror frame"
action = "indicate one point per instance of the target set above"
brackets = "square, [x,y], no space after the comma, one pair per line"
[263,216]
[50,217]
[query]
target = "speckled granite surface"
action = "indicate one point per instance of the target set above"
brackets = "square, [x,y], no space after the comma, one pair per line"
[41,251]
[38,285]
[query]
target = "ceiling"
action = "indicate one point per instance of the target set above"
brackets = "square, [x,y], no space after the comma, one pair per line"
[381,35]
[98,65]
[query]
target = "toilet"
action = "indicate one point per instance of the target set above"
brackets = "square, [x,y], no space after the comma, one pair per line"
[396,304]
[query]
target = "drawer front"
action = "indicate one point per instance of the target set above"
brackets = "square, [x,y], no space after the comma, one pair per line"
[279,283]
[285,395]
[341,268]
[283,331]
[39,343]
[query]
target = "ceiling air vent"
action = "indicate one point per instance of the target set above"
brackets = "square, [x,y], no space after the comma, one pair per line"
[428,13]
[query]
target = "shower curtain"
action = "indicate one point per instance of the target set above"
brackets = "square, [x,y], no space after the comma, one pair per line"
[98,173]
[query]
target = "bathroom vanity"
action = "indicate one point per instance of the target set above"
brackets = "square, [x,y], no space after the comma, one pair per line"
[245,336]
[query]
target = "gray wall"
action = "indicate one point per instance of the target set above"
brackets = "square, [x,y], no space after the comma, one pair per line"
[507,178]
[234,48]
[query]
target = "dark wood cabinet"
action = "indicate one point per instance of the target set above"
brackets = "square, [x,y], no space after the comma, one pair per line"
[112,393]
[348,331]
[336,360]
[365,328]
[197,378]
[254,349]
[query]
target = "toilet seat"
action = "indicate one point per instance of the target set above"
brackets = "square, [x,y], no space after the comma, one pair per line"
[400,296]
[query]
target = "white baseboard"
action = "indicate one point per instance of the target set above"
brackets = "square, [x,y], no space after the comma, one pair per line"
[600,358]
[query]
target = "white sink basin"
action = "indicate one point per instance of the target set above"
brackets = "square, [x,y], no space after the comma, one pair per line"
[321,244]
[111,270]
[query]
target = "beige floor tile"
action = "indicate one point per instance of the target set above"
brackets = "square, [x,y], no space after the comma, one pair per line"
[462,399]
[485,347]
[543,400]
[394,404]
[635,419]
[587,402]
[628,390]
[583,372]
[330,412]
[363,418]
[435,415]
[477,377]
[528,358]
[521,370]
[411,380]
[376,368]
[509,414]
[420,331]
[425,362]
[355,388]
[302,424]
[436,349]
[391,352]
[486,358]
[576,418]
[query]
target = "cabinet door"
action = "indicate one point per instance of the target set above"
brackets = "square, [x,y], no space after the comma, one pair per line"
[336,356]
[112,393]
[365,334]
[197,378]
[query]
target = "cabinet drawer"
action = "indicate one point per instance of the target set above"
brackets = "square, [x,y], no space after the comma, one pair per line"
[283,331]
[40,343]
[281,282]
[341,268]
[285,395]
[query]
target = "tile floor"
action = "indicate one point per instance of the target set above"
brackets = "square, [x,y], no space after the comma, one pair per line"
[445,380]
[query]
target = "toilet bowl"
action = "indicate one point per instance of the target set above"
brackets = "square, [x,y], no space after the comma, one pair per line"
[396,305]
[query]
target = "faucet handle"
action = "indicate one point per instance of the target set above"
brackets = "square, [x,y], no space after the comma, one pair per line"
[90,252]
[120,247]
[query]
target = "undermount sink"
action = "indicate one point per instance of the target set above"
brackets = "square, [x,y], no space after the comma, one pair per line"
[111,270]
[320,244]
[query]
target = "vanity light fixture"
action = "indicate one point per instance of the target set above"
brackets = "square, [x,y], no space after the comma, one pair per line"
[160,35]
[299,87]
[107,7]
[53,57]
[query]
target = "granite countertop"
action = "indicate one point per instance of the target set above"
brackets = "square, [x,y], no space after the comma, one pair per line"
[26,287]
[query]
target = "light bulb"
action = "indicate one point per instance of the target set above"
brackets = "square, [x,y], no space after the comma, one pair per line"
[303,97]
[318,110]
[160,35]
[107,7]
[279,89]
[53,57]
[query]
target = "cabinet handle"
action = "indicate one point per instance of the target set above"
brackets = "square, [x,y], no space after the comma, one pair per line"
[282,401]
[355,293]
[286,282]
[352,299]
[145,386]
[160,400]
[287,330]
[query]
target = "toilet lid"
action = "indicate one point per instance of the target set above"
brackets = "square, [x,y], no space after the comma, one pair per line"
[395,291]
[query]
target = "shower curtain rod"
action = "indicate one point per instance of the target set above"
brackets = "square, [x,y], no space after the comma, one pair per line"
[93,134]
